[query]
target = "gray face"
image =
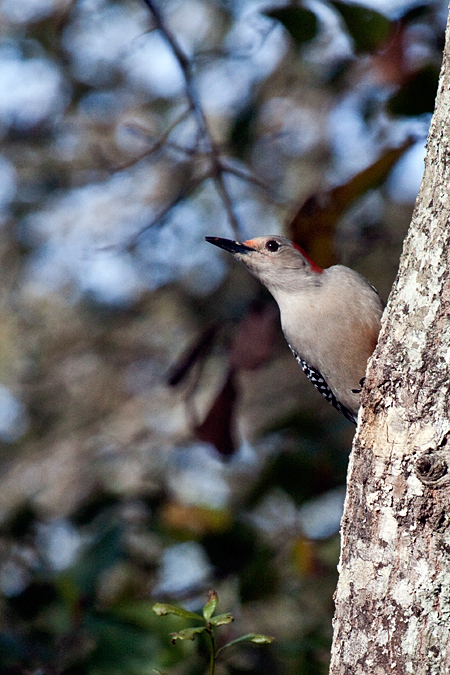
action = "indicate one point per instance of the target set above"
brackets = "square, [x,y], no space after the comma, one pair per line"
[274,260]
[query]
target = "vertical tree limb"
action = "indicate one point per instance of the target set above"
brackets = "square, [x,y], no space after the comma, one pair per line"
[393,596]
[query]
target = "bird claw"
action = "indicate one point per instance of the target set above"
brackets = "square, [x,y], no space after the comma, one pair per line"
[361,384]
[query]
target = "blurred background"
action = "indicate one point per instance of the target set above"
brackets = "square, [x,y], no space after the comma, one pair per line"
[157,438]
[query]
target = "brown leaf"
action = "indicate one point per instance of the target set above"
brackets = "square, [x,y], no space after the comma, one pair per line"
[388,65]
[198,520]
[255,338]
[313,226]
[194,353]
[217,427]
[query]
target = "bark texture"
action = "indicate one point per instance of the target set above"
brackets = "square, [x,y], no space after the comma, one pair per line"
[393,596]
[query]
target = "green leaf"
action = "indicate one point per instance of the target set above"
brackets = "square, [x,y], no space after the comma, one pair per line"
[368,28]
[208,609]
[250,637]
[222,619]
[260,639]
[161,609]
[300,22]
[187,633]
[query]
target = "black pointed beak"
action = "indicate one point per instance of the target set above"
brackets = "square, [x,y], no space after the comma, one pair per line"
[229,245]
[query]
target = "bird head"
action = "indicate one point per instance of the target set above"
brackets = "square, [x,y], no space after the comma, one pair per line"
[277,262]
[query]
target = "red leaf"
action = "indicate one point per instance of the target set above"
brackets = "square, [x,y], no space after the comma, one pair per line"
[217,427]
[255,338]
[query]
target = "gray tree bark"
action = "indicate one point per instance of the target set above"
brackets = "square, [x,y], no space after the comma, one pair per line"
[393,596]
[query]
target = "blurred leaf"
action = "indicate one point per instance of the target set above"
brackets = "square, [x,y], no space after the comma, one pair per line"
[13,647]
[231,550]
[161,609]
[37,596]
[328,551]
[196,352]
[369,29]
[100,502]
[303,553]
[255,337]
[192,520]
[105,550]
[241,132]
[308,651]
[68,590]
[187,633]
[301,23]
[222,619]
[119,649]
[414,13]
[389,65]
[301,475]
[417,96]
[21,522]
[313,226]
[217,427]
[260,578]
[252,347]
[209,608]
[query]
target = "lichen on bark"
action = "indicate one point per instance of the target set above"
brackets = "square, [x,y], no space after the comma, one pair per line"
[393,596]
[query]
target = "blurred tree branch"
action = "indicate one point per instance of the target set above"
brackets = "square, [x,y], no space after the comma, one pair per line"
[216,170]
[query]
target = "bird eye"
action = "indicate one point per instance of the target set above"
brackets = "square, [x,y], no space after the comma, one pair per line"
[272,245]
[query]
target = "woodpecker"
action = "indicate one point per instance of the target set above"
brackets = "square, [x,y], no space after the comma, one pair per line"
[330,317]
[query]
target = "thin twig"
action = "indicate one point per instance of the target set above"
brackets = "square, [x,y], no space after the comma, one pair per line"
[243,54]
[249,177]
[184,192]
[157,145]
[212,659]
[192,97]
[226,165]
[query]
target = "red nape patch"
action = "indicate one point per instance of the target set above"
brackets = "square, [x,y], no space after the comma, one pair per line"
[314,267]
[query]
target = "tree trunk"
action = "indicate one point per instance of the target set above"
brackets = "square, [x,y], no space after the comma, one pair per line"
[393,596]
